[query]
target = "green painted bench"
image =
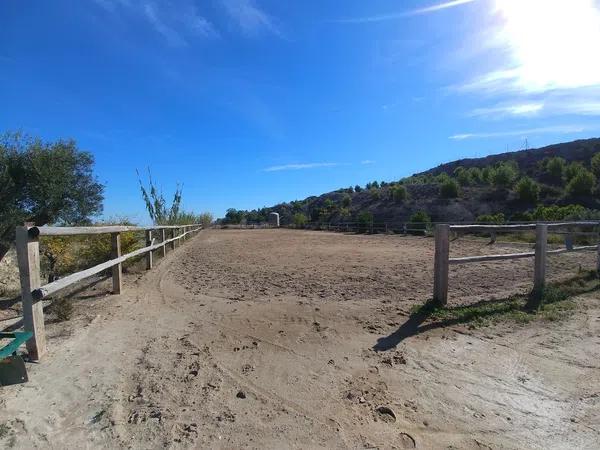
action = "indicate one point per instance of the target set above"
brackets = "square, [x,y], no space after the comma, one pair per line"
[12,366]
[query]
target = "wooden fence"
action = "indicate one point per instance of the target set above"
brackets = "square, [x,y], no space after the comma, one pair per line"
[28,256]
[442,261]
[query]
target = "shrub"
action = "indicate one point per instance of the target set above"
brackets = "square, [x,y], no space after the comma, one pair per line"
[449,189]
[346,201]
[463,176]
[504,175]
[375,193]
[419,222]
[528,190]
[398,193]
[573,169]
[581,184]
[555,168]
[595,163]
[206,219]
[62,309]
[491,218]
[365,221]
[476,175]
[357,188]
[555,212]
[64,255]
[300,220]
[486,175]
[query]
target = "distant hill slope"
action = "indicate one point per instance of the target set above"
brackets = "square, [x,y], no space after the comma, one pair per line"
[423,189]
[581,150]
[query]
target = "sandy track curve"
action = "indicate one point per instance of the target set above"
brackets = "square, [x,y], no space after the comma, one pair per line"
[264,339]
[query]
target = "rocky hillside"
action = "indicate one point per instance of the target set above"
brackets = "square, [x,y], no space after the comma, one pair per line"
[559,179]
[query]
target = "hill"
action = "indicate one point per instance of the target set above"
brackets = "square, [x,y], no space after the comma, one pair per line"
[550,183]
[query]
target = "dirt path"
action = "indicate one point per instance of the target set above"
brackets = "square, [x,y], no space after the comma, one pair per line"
[265,339]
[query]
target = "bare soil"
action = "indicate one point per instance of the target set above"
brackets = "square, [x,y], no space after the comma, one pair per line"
[291,339]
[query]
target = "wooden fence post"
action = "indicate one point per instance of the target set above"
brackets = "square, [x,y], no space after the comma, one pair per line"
[163,236]
[28,256]
[148,254]
[118,268]
[441,264]
[541,248]
[172,237]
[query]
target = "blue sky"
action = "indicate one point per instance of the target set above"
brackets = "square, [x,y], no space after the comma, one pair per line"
[251,102]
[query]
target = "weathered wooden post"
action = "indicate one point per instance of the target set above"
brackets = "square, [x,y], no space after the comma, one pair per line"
[172,237]
[28,256]
[115,252]
[441,263]
[148,254]
[163,237]
[541,248]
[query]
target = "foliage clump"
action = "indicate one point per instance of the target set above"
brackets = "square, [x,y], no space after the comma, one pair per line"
[449,189]
[528,190]
[45,183]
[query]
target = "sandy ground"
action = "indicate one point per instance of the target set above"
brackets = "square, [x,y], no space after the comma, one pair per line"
[290,339]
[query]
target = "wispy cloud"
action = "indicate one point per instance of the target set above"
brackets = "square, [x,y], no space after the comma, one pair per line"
[177,24]
[403,14]
[519,109]
[558,129]
[299,166]
[250,18]
[367,162]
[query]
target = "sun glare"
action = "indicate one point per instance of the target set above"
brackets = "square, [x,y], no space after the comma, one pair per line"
[554,44]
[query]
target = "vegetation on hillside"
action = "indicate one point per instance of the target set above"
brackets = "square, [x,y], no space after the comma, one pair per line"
[553,183]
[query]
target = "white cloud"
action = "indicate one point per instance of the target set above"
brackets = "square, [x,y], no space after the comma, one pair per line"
[520,109]
[175,23]
[558,129]
[299,166]
[401,15]
[251,20]
[367,161]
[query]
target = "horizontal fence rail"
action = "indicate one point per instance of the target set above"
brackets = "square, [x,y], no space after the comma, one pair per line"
[28,256]
[443,261]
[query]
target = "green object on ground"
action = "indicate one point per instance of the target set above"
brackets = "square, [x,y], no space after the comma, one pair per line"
[12,366]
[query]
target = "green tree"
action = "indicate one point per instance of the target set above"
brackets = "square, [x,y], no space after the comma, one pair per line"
[555,168]
[346,201]
[398,193]
[45,182]
[528,190]
[476,175]
[449,189]
[595,163]
[573,169]
[419,222]
[504,175]
[365,221]
[300,220]
[463,176]
[357,188]
[582,183]
[233,216]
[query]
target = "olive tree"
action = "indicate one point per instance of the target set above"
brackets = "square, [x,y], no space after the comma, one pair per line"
[45,182]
